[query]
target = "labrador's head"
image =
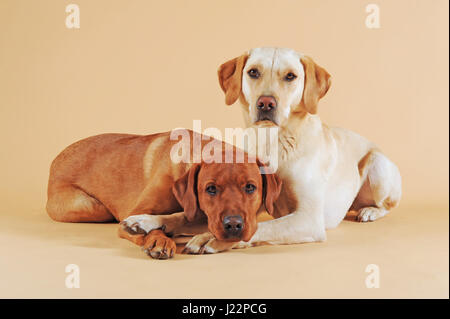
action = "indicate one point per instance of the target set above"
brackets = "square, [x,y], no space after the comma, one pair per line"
[273,83]
[229,194]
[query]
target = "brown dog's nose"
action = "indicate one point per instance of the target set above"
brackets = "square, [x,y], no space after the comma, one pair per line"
[266,103]
[233,225]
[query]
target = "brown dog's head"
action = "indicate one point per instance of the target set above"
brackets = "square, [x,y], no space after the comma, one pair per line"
[230,194]
[273,83]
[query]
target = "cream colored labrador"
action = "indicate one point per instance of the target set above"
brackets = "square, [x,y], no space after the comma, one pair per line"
[326,171]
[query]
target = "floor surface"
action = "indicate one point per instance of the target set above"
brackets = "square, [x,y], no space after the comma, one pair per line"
[410,246]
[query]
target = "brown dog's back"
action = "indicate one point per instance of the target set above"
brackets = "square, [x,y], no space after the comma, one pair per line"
[108,170]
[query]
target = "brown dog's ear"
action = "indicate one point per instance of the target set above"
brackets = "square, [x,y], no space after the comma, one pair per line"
[185,191]
[271,187]
[317,83]
[230,78]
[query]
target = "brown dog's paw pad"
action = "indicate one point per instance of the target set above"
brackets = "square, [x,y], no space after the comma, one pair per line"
[159,254]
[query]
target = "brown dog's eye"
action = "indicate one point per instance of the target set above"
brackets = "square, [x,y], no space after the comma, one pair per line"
[290,77]
[250,188]
[253,73]
[211,190]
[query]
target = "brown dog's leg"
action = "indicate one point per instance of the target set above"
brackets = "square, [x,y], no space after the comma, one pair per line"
[70,204]
[136,238]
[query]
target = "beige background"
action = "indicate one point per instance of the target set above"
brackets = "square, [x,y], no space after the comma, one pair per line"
[150,66]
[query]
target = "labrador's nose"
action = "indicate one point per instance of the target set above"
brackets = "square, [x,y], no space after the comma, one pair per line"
[233,225]
[266,103]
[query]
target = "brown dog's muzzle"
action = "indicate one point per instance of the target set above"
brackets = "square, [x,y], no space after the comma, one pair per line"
[233,226]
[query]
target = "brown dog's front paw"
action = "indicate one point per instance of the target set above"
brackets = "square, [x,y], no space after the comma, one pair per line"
[158,246]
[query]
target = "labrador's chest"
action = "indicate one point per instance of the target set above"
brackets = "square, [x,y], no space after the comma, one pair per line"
[303,179]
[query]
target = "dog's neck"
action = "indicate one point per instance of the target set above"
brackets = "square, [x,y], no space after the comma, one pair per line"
[299,134]
[296,136]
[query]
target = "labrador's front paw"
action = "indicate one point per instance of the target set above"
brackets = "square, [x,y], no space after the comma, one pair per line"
[206,243]
[370,214]
[242,244]
[141,224]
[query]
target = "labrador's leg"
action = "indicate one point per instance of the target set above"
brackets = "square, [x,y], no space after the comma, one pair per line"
[295,228]
[67,203]
[381,189]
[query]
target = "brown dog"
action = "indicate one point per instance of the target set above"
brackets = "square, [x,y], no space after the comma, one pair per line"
[132,179]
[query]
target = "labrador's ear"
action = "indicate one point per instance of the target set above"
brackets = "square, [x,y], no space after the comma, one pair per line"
[271,187]
[317,83]
[230,78]
[185,191]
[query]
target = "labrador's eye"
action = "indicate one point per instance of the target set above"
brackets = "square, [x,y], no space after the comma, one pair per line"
[253,73]
[211,190]
[290,77]
[250,188]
